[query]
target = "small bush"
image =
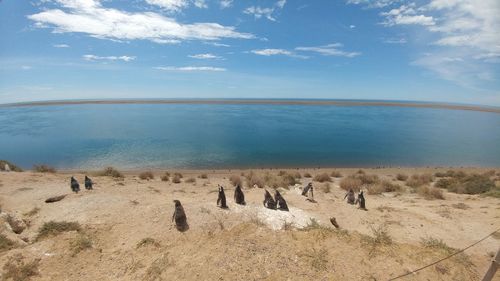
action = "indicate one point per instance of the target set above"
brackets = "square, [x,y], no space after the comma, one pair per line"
[148,241]
[12,167]
[203,176]
[472,184]
[288,180]
[318,258]
[307,175]
[326,188]
[383,186]
[165,177]
[368,179]
[53,228]
[380,237]
[176,178]
[190,180]
[15,269]
[360,172]
[235,180]
[281,173]
[296,175]
[434,243]
[461,206]
[351,183]
[336,174]
[146,175]
[253,179]
[401,177]
[80,243]
[430,192]
[111,172]
[178,175]
[419,180]
[44,169]
[324,177]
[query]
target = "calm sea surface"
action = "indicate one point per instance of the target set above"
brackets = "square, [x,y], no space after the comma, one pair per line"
[132,136]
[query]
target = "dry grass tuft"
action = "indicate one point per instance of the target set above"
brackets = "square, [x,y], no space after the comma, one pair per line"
[165,176]
[419,180]
[434,243]
[190,180]
[235,180]
[32,212]
[351,183]
[461,206]
[42,168]
[323,177]
[15,269]
[111,172]
[53,228]
[471,184]
[154,272]
[430,193]
[6,243]
[148,242]
[383,186]
[252,179]
[176,178]
[335,174]
[318,258]
[401,177]
[326,188]
[80,243]
[203,176]
[307,175]
[146,175]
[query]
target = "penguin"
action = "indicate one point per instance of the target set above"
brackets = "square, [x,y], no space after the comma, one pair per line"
[179,217]
[280,201]
[269,201]
[361,200]
[350,197]
[221,200]
[306,189]
[88,183]
[75,186]
[239,197]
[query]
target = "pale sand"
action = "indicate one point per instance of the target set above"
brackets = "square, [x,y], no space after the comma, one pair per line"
[491,109]
[226,245]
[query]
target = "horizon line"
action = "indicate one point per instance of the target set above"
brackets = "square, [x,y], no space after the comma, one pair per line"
[263,101]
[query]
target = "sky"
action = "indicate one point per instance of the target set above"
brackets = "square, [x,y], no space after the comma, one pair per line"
[431,50]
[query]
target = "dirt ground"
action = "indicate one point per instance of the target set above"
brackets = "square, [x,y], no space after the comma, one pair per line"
[244,242]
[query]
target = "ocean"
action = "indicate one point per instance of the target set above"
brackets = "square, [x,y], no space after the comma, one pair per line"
[219,136]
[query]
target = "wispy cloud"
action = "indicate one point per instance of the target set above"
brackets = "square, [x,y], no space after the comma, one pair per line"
[108,58]
[217,44]
[406,14]
[225,3]
[60,46]
[170,5]
[329,50]
[26,67]
[259,12]
[90,17]
[191,68]
[276,52]
[373,3]
[202,4]
[395,40]
[207,56]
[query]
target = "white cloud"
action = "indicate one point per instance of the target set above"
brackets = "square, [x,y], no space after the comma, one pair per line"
[259,12]
[406,14]
[60,46]
[109,58]
[170,5]
[202,4]
[90,17]
[275,52]
[395,41]
[217,44]
[352,26]
[329,50]
[225,3]
[191,68]
[207,56]
[26,67]
[373,3]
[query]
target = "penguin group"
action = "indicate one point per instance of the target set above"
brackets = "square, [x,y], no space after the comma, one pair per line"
[351,199]
[75,186]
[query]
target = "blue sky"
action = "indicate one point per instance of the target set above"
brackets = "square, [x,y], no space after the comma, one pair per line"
[433,50]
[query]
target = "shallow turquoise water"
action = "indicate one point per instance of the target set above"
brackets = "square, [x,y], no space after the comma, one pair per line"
[221,136]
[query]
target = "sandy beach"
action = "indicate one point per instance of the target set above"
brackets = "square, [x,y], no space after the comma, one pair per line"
[125,230]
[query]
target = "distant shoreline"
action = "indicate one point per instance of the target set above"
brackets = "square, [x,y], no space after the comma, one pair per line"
[264,102]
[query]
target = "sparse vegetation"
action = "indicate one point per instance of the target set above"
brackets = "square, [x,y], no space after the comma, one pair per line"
[351,183]
[430,193]
[253,179]
[6,243]
[419,180]
[307,175]
[296,175]
[148,242]
[165,176]
[203,176]
[471,184]
[146,175]
[326,188]
[32,212]
[323,177]
[190,180]
[384,186]
[401,177]
[318,258]
[434,243]
[111,172]
[235,180]
[335,174]
[42,168]
[53,228]
[461,206]
[80,243]
[17,270]
[176,178]
[380,237]
[12,167]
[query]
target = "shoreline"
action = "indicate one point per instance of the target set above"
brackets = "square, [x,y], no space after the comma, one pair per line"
[435,105]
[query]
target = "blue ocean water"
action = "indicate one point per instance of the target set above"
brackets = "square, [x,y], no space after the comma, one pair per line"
[131,136]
